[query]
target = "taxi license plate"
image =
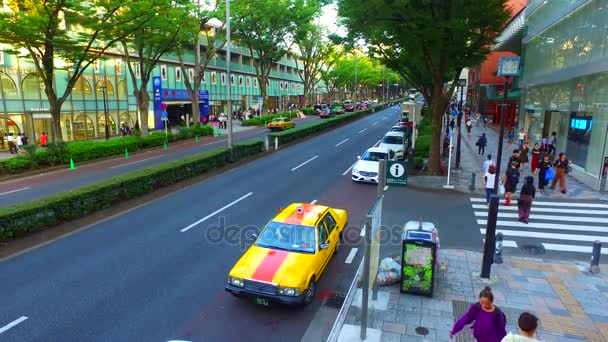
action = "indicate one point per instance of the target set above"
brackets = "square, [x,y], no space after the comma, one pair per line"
[262,301]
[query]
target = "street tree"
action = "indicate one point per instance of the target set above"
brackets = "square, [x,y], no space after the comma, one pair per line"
[428,43]
[63,38]
[167,32]
[267,28]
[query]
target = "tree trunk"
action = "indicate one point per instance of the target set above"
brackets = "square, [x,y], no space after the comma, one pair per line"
[196,117]
[143,103]
[438,104]
[305,97]
[264,96]
[55,109]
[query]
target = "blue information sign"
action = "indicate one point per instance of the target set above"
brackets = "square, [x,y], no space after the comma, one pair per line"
[157,90]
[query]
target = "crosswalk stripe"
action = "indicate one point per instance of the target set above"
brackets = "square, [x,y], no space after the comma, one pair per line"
[542,225]
[548,210]
[552,204]
[551,236]
[548,217]
[571,248]
[506,243]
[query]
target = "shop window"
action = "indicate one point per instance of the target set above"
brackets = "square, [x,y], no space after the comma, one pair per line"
[101,124]
[13,127]
[83,128]
[122,89]
[125,118]
[579,136]
[9,89]
[32,87]
[109,89]
[82,86]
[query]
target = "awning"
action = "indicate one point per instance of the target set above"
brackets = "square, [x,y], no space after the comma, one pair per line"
[510,39]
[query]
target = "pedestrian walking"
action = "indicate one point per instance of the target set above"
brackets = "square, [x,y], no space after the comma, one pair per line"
[481,143]
[552,143]
[527,323]
[477,120]
[526,197]
[543,166]
[486,165]
[12,143]
[469,126]
[44,139]
[523,155]
[489,322]
[489,177]
[510,137]
[510,181]
[514,158]
[19,142]
[521,137]
[535,158]
[561,171]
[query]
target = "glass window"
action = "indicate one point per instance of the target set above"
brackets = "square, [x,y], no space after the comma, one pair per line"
[289,237]
[83,127]
[109,88]
[392,140]
[101,124]
[579,136]
[66,127]
[82,86]
[122,90]
[322,231]
[125,118]
[329,222]
[373,156]
[32,87]
[9,89]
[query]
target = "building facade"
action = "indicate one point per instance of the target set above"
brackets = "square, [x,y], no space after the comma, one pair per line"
[565,82]
[24,107]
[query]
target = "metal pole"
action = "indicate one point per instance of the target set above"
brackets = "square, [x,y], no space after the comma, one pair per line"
[381,177]
[488,249]
[459,130]
[366,269]
[447,184]
[105,112]
[229,83]
[356,75]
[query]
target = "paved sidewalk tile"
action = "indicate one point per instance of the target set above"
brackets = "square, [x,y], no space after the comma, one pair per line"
[571,303]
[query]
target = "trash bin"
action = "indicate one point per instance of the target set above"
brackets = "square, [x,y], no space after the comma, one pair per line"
[419,257]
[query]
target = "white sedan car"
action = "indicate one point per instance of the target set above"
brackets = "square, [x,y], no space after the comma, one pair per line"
[366,169]
[395,143]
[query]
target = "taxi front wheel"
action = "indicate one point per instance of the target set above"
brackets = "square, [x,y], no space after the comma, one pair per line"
[310,291]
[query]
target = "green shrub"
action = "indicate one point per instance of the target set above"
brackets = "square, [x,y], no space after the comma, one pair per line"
[39,214]
[308,111]
[264,119]
[55,153]
[17,164]
[419,162]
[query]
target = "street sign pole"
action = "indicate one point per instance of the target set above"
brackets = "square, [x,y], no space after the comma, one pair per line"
[447,184]
[381,177]
[229,83]
[367,226]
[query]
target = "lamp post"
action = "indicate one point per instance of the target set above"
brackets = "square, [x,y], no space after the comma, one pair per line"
[461,84]
[507,66]
[105,110]
[229,83]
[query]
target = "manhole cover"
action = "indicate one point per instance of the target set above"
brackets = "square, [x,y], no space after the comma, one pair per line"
[533,249]
[336,300]
[422,331]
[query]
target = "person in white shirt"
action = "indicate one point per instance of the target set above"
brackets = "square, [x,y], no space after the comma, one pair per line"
[487,163]
[19,142]
[11,143]
[527,323]
[489,177]
[521,137]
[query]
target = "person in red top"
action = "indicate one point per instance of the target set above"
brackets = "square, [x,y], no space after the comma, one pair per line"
[44,139]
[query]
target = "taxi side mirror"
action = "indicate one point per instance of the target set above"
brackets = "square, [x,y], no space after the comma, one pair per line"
[323,246]
[254,235]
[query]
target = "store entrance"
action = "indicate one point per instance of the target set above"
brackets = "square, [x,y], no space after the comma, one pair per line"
[42,125]
[178,113]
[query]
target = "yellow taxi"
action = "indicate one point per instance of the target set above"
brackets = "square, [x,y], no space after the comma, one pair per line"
[289,256]
[278,124]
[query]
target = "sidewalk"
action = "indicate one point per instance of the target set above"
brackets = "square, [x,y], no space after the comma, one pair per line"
[471,161]
[571,303]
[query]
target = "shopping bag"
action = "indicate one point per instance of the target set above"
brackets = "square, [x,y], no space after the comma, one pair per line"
[501,188]
[549,174]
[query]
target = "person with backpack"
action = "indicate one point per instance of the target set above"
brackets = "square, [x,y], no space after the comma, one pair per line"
[489,322]
[527,324]
[481,144]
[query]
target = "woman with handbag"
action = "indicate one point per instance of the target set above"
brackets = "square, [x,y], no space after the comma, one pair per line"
[561,171]
[543,167]
[510,181]
[524,205]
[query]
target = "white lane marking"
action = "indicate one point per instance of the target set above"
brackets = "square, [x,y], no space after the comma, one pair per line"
[342,142]
[216,212]
[348,170]
[506,243]
[12,324]
[548,217]
[385,187]
[304,163]
[378,143]
[313,201]
[363,130]
[541,225]
[135,162]
[555,204]
[550,236]
[13,191]
[351,255]
[375,123]
[571,248]
[548,210]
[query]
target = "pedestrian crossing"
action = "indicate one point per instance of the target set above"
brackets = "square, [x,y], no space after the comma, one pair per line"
[558,226]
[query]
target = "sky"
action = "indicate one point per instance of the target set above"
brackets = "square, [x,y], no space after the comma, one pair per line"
[329,17]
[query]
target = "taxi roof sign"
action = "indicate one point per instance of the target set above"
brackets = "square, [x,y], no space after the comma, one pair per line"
[300,210]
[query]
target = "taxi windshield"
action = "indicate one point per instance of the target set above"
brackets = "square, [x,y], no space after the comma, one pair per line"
[277,120]
[392,140]
[288,237]
[373,156]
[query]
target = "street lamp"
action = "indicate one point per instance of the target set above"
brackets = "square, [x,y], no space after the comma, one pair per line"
[462,83]
[507,66]
[104,89]
[229,83]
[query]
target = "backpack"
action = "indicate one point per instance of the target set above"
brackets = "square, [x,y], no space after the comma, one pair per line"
[497,314]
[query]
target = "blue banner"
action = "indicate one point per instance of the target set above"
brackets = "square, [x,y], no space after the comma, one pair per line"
[157,90]
[203,96]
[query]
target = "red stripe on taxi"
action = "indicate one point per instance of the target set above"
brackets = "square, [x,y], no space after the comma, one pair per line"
[269,265]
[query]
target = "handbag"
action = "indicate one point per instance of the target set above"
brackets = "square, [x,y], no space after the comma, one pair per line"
[549,174]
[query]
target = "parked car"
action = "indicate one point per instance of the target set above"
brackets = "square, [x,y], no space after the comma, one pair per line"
[337,110]
[395,143]
[322,110]
[279,124]
[349,106]
[366,169]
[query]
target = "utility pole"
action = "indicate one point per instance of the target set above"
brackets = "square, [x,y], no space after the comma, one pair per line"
[356,75]
[229,83]
[461,84]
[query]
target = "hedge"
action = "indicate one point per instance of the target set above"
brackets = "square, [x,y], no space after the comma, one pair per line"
[43,213]
[315,127]
[61,152]
[261,120]
[308,111]
[423,140]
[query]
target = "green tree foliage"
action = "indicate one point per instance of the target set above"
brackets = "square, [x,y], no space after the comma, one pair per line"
[166,32]
[73,31]
[428,42]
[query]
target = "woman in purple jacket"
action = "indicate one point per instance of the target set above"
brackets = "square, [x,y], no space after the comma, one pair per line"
[489,323]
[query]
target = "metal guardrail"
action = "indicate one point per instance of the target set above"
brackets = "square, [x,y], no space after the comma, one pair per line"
[337,327]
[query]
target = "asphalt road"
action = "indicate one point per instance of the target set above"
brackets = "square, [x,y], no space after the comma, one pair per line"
[47,183]
[157,272]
